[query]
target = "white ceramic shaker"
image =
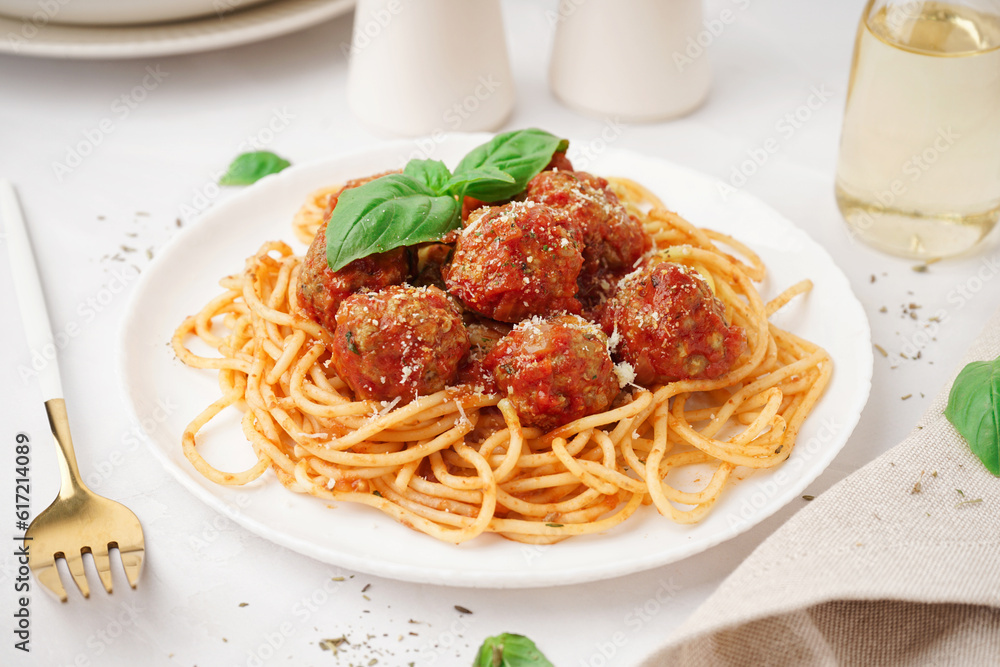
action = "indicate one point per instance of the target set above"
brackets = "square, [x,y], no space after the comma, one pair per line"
[420,67]
[630,58]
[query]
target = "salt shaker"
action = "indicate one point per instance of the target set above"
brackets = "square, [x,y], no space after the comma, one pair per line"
[420,67]
[633,58]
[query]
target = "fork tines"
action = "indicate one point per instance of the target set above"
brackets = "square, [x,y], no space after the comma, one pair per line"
[47,573]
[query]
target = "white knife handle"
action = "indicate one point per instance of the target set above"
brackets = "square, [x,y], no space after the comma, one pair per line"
[28,287]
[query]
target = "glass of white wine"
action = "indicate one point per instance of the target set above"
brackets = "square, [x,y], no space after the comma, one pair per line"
[919,167]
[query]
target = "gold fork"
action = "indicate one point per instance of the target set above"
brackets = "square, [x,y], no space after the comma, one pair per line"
[78,521]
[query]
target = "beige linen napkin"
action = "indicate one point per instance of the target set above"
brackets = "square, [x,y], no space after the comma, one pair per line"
[898,564]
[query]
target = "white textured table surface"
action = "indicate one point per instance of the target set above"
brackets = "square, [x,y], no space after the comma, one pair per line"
[212,593]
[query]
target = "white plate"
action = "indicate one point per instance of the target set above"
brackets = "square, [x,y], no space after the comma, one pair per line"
[38,37]
[185,276]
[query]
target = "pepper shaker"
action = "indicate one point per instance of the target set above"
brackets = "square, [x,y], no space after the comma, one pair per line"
[629,58]
[420,67]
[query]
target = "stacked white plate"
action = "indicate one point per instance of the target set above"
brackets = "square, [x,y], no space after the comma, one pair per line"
[96,29]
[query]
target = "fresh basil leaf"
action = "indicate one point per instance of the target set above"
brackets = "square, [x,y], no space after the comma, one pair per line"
[389,212]
[249,168]
[480,177]
[521,154]
[509,650]
[974,410]
[432,173]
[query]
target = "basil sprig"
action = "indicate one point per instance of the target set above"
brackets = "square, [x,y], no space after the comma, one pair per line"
[425,202]
[479,177]
[974,410]
[248,168]
[509,650]
[432,173]
[520,155]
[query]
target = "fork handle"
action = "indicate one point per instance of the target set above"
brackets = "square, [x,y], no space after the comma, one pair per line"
[69,472]
[30,296]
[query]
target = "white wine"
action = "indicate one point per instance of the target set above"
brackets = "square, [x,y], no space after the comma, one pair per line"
[919,167]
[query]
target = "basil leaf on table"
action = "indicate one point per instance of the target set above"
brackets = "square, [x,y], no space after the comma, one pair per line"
[509,650]
[432,173]
[249,168]
[389,212]
[974,410]
[520,154]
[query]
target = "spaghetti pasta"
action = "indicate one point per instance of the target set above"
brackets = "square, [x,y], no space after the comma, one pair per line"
[457,463]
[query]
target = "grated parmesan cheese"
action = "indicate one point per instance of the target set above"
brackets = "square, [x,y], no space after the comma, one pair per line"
[625,374]
[386,407]
[614,340]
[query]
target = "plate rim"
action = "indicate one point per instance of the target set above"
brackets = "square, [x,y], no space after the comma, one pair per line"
[476,578]
[146,40]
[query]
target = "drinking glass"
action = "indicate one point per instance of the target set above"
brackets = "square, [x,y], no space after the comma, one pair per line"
[919,168]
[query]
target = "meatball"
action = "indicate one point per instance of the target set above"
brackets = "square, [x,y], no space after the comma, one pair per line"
[483,336]
[321,289]
[401,341]
[613,240]
[515,261]
[470,204]
[554,371]
[670,326]
[559,161]
[612,237]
